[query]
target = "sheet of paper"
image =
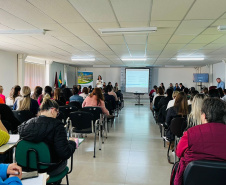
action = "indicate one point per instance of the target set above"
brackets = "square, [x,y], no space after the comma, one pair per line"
[37,181]
[14,138]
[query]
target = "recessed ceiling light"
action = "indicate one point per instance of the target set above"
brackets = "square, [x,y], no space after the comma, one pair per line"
[83,59]
[133,59]
[189,59]
[128,30]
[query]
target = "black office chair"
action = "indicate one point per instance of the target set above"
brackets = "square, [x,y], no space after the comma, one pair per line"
[76,104]
[205,173]
[82,123]
[65,112]
[177,127]
[97,120]
[23,115]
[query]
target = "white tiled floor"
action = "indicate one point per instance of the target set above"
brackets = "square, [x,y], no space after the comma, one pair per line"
[133,153]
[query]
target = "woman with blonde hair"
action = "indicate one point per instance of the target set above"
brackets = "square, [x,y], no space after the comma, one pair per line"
[194,118]
[25,102]
[96,99]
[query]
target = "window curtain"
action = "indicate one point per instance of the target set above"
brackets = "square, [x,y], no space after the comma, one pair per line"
[34,75]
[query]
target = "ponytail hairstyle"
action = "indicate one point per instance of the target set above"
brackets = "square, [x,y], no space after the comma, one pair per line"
[24,102]
[48,103]
[99,95]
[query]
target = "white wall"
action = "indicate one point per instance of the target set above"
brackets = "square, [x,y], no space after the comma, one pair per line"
[8,71]
[219,72]
[53,68]
[111,74]
[173,75]
[71,76]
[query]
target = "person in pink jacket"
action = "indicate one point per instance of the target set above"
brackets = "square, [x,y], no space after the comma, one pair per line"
[96,99]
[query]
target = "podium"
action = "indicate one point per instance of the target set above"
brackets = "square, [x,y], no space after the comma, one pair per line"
[138,96]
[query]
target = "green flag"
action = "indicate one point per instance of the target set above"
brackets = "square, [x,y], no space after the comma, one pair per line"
[60,80]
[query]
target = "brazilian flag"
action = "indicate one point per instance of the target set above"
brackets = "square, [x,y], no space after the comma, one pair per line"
[60,80]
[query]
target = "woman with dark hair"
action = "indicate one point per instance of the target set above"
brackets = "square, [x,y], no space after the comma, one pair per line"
[66,95]
[79,89]
[99,82]
[46,128]
[163,87]
[37,93]
[84,93]
[47,90]
[160,92]
[25,102]
[96,99]
[75,96]
[205,141]
[14,93]
[57,97]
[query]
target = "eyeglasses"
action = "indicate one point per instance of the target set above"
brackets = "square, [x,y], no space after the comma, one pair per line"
[58,113]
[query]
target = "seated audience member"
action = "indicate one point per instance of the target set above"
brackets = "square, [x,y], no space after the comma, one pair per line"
[224,98]
[220,83]
[13,95]
[37,93]
[171,102]
[109,83]
[79,89]
[84,93]
[163,87]
[181,87]
[160,92]
[1,95]
[46,128]
[47,90]
[214,93]
[57,97]
[180,109]
[66,95]
[4,136]
[2,101]
[8,119]
[194,118]
[90,89]
[25,102]
[192,89]
[10,174]
[205,141]
[111,92]
[153,93]
[75,96]
[221,92]
[171,86]
[116,87]
[96,99]
[205,91]
[108,97]
[165,100]
[176,88]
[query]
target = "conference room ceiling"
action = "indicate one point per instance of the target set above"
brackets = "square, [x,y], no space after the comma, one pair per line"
[185,28]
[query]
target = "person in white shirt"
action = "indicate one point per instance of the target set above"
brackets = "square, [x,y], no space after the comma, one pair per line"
[99,82]
[84,93]
[171,102]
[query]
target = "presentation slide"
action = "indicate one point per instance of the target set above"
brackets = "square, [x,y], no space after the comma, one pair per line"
[137,80]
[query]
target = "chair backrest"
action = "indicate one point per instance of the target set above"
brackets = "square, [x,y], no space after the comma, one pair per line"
[205,173]
[178,125]
[81,120]
[75,104]
[65,111]
[29,155]
[96,111]
[109,105]
[162,114]
[23,115]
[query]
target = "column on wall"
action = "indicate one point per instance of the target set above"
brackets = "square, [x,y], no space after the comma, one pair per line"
[21,69]
[48,64]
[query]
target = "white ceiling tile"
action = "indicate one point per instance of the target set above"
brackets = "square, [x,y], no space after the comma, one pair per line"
[139,47]
[59,10]
[132,10]
[94,11]
[113,40]
[170,10]
[134,24]
[136,39]
[193,27]
[203,9]
[157,39]
[205,39]
[179,39]
[194,46]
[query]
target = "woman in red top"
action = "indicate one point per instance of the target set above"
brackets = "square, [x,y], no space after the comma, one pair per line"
[205,141]
[1,95]
[96,99]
